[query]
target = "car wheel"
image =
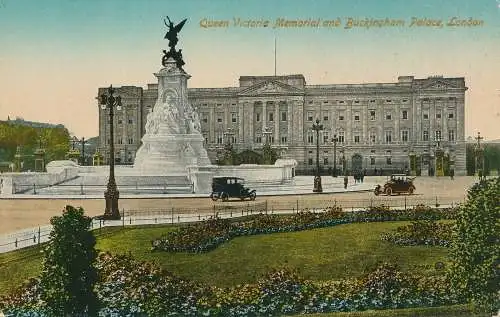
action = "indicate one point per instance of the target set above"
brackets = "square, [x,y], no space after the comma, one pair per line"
[253,195]
[224,196]
[376,192]
[214,197]
[388,191]
[410,190]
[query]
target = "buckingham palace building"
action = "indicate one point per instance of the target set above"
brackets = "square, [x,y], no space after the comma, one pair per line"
[389,127]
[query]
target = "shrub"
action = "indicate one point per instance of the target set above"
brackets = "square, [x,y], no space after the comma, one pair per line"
[475,252]
[421,233]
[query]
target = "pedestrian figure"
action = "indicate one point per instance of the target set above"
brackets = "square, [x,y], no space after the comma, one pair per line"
[346,180]
[480,175]
[452,173]
[375,173]
[363,175]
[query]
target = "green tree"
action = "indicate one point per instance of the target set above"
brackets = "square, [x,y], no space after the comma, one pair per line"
[69,274]
[475,252]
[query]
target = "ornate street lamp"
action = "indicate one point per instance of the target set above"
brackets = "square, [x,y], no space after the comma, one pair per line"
[229,146]
[111,194]
[317,178]
[439,157]
[82,142]
[335,140]
[479,162]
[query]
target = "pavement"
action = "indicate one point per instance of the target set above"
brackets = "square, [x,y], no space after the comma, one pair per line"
[300,185]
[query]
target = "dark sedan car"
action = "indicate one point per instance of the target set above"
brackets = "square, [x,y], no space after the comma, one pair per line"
[226,187]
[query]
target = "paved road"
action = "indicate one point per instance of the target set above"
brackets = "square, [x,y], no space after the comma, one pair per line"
[17,214]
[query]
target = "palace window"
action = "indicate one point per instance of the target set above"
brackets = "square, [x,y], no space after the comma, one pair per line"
[341,137]
[356,101]
[325,137]
[425,135]
[270,115]
[356,139]
[219,117]
[341,118]
[372,101]
[325,115]
[120,141]
[405,115]
[372,114]
[258,139]
[257,117]
[234,118]
[283,139]
[388,160]
[404,135]
[130,121]
[437,135]
[450,115]
[283,116]
[219,139]
[356,117]
[388,116]
[426,116]
[119,121]
[438,115]
[310,138]
[309,116]
[325,161]
[372,160]
[373,137]
[204,117]
[388,136]
[130,141]
[205,136]
[451,135]
[310,161]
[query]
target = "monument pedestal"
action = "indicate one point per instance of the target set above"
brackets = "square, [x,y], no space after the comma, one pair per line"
[173,139]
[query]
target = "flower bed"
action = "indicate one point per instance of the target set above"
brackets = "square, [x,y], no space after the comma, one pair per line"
[129,288]
[208,235]
[421,233]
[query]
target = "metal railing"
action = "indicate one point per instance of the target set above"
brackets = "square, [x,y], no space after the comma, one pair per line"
[176,215]
[82,189]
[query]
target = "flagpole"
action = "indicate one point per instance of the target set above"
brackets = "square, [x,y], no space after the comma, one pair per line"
[274,56]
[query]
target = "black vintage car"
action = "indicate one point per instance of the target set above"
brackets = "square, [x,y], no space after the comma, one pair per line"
[226,187]
[397,184]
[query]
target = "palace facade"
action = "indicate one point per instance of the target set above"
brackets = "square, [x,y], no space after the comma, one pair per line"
[379,126]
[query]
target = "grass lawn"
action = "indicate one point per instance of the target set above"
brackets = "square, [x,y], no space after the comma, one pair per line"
[319,254]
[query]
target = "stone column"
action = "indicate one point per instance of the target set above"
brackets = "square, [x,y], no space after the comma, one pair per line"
[348,118]
[460,117]
[298,121]
[290,133]
[416,120]
[397,117]
[211,119]
[364,137]
[242,124]
[264,114]
[432,119]
[277,122]
[444,119]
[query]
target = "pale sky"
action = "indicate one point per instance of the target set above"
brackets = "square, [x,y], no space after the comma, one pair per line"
[54,55]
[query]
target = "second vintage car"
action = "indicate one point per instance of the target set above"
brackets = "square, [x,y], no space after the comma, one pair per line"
[226,187]
[397,184]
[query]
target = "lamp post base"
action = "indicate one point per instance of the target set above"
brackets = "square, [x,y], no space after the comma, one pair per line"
[317,184]
[111,212]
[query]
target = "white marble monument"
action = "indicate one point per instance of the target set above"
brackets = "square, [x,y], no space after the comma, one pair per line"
[173,140]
